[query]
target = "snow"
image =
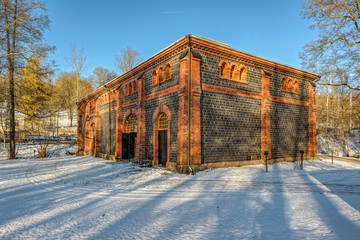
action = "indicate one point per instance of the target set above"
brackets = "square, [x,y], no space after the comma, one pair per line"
[71,197]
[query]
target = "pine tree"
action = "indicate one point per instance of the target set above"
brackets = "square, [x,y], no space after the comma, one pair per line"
[34,91]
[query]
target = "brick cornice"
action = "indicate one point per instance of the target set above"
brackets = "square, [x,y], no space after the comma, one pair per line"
[235,55]
[158,58]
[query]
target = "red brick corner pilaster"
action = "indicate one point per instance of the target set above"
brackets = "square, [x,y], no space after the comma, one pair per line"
[79,132]
[195,114]
[160,109]
[118,123]
[97,128]
[140,140]
[182,137]
[265,115]
[312,122]
[87,129]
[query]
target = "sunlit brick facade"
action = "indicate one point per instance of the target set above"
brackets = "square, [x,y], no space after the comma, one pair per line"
[240,105]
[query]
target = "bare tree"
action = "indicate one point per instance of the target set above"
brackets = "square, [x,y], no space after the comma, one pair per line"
[77,61]
[102,75]
[22,25]
[128,59]
[66,93]
[338,25]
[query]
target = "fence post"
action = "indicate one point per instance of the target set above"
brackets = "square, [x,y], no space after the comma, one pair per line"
[266,153]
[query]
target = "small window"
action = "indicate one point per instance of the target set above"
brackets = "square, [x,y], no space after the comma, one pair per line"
[161,75]
[222,69]
[131,124]
[167,71]
[134,86]
[163,122]
[243,73]
[154,77]
[126,89]
[130,88]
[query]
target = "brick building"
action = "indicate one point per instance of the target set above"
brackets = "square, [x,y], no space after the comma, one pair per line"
[239,105]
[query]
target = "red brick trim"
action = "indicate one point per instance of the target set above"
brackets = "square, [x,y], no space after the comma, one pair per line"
[140,140]
[160,109]
[195,115]
[265,116]
[129,103]
[118,143]
[79,130]
[182,134]
[162,93]
[288,100]
[231,91]
[312,122]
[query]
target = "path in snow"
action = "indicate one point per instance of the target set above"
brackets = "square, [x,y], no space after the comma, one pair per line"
[91,198]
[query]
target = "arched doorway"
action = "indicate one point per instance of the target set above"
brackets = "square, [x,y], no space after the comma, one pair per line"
[163,134]
[129,137]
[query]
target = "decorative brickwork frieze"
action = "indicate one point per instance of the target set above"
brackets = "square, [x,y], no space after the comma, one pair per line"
[232,72]
[289,85]
[162,74]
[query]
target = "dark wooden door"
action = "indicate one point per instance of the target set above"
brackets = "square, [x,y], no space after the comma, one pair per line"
[125,145]
[163,147]
[128,145]
[132,141]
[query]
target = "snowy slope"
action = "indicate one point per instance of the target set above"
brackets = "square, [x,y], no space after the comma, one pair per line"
[72,197]
[329,142]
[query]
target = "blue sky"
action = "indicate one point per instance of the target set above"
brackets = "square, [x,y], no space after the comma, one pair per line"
[269,29]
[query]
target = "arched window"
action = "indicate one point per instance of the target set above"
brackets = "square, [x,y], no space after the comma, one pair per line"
[223,69]
[126,89]
[130,88]
[163,122]
[160,75]
[290,85]
[167,71]
[234,72]
[243,73]
[134,86]
[131,124]
[154,77]
[283,84]
[296,86]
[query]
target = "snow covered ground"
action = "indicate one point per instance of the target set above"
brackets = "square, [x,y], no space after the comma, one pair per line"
[326,143]
[69,197]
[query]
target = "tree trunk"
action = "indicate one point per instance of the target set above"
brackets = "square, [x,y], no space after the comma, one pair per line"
[11,68]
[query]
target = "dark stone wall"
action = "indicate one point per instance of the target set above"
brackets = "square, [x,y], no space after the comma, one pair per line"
[289,129]
[105,132]
[230,127]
